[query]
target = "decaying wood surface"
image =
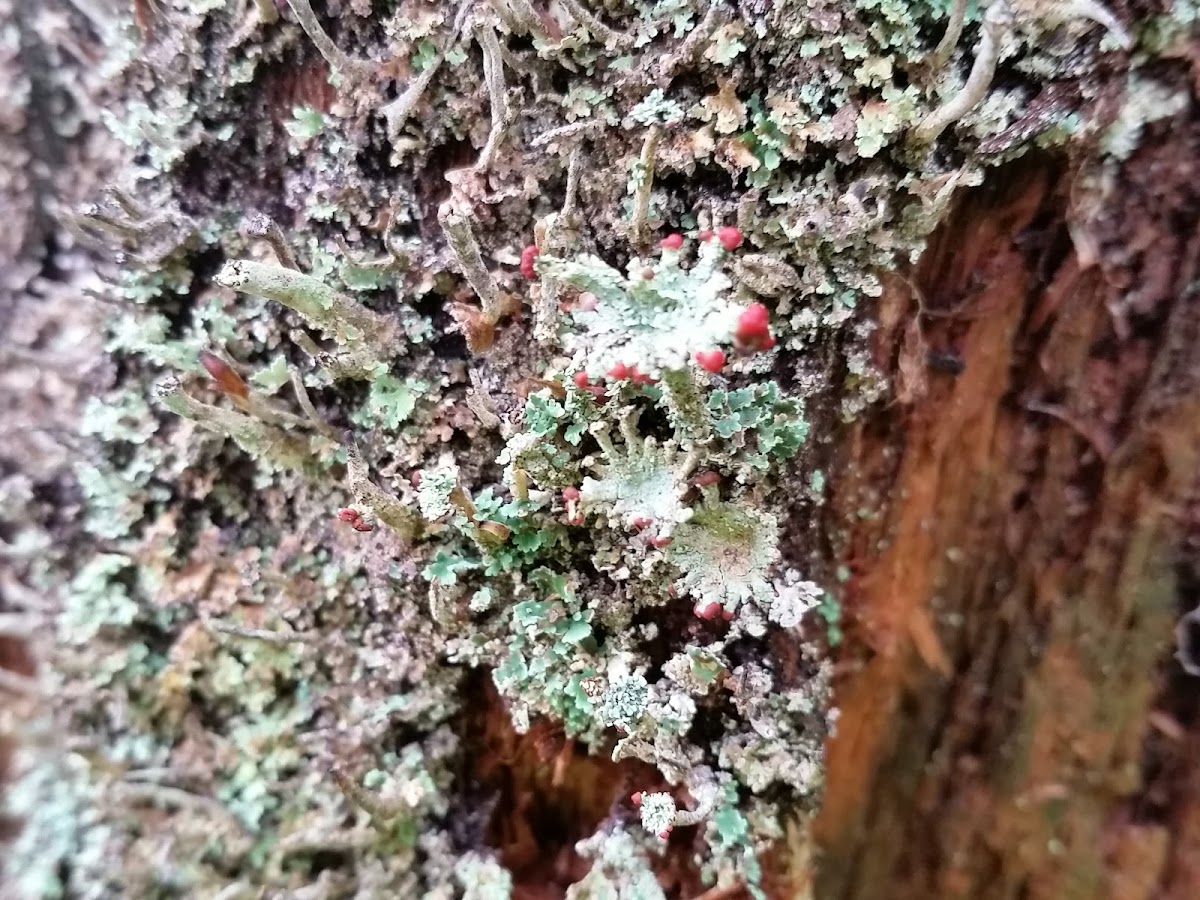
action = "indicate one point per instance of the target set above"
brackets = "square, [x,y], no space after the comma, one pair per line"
[1013,725]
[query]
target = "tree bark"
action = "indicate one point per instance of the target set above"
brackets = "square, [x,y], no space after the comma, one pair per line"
[1012,724]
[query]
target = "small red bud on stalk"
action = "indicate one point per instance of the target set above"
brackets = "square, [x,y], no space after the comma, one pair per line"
[581,380]
[415,478]
[729,236]
[354,519]
[570,496]
[727,615]
[648,273]
[640,522]
[639,378]
[711,360]
[528,254]
[672,242]
[619,372]
[709,610]
[227,380]
[659,542]
[636,798]
[665,833]
[705,234]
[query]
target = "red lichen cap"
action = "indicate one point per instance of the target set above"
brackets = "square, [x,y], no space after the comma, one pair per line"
[711,360]
[729,236]
[528,254]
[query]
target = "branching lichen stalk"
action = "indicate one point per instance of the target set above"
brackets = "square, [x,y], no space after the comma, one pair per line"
[997,22]
[954,28]
[403,520]
[338,60]
[461,239]
[1102,15]
[253,435]
[493,77]
[697,39]
[397,112]
[641,197]
[263,226]
[588,20]
[321,306]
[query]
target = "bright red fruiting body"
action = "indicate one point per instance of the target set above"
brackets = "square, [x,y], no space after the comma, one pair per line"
[588,301]
[705,234]
[354,519]
[636,798]
[727,615]
[581,380]
[619,372]
[570,494]
[729,237]
[528,254]
[706,479]
[640,378]
[640,522]
[753,330]
[576,519]
[753,322]
[711,360]
[709,610]
[659,542]
[665,833]
[672,242]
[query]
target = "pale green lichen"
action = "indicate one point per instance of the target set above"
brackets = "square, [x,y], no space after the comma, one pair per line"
[725,552]
[643,480]
[338,316]
[653,323]
[623,703]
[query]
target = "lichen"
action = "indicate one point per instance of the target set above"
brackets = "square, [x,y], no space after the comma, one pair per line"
[595,516]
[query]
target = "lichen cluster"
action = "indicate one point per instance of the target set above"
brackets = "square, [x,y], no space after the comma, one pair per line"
[514,383]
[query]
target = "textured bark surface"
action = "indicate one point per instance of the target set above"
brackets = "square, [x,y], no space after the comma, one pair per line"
[1015,727]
